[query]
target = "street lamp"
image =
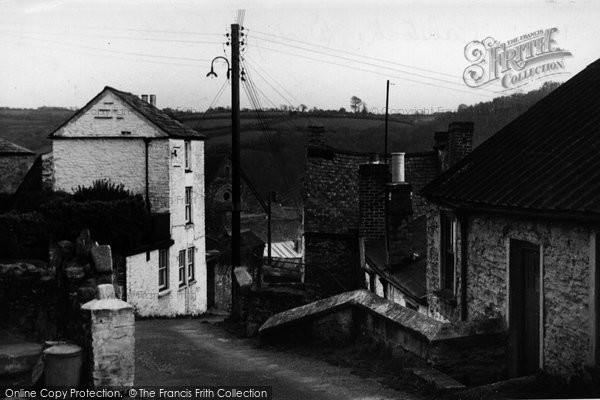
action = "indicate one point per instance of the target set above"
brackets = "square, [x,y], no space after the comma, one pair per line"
[212,69]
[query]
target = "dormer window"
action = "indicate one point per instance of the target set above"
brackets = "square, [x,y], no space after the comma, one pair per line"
[188,155]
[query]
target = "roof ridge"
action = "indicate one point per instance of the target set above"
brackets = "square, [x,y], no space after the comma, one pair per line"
[6,146]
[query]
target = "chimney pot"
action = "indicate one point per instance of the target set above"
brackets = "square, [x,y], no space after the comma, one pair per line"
[145,97]
[153,99]
[398,171]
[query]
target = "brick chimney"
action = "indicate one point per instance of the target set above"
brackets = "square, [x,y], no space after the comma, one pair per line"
[460,141]
[316,136]
[372,182]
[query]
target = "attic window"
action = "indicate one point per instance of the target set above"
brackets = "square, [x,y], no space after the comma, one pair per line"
[108,103]
[103,113]
[125,132]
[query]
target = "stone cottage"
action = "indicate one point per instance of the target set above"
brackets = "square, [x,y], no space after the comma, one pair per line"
[15,161]
[512,232]
[126,139]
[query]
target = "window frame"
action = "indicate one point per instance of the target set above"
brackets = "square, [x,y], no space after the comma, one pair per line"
[163,255]
[448,251]
[181,268]
[188,205]
[191,264]
[187,153]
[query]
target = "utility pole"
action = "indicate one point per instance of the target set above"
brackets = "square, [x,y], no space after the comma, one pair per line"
[270,200]
[385,157]
[387,103]
[235,149]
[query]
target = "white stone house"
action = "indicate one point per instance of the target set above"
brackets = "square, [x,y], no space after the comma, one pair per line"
[120,137]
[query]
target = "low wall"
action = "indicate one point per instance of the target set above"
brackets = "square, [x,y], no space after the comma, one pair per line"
[252,307]
[41,300]
[471,353]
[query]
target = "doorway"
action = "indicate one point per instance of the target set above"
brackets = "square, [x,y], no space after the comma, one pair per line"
[524,311]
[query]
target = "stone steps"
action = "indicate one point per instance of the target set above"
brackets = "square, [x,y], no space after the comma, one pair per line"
[437,379]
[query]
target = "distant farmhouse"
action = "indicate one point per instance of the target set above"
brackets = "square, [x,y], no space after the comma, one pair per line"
[126,139]
[15,162]
[513,232]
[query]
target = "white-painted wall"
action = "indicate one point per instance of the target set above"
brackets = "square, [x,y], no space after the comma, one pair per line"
[90,148]
[118,117]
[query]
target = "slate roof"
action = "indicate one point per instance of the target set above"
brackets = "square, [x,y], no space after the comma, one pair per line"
[545,161]
[170,126]
[9,148]
[409,277]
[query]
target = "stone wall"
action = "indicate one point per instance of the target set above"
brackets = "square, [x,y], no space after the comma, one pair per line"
[332,264]
[222,286]
[566,277]
[445,308]
[81,161]
[253,307]
[473,352]
[13,169]
[31,303]
[191,298]
[42,300]
[109,341]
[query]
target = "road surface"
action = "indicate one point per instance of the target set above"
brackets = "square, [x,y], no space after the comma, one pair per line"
[193,352]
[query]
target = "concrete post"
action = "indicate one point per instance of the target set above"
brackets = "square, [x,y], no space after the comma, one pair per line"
[110,339]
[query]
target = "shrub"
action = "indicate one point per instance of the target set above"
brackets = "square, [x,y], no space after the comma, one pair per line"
[123,223]
[102,190]
[23,235]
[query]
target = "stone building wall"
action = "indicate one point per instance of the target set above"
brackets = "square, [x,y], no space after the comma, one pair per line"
[81,161]
[190,299]
[13,169]
[142,273]
[566,277]
[332,264]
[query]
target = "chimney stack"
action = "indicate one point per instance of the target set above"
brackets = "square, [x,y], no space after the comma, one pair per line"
[460,141]
[372,180]
[316,136]
[145,97]
[398,168]
[153,99]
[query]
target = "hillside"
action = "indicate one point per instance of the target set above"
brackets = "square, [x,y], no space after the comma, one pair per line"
[275,160]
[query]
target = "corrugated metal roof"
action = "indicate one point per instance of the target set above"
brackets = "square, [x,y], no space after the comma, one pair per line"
[547,159]
[7,147]
[282,250]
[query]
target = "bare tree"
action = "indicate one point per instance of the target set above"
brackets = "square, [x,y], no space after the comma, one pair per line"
[355,103]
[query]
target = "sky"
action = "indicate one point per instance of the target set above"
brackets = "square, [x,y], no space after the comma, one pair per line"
[317,53]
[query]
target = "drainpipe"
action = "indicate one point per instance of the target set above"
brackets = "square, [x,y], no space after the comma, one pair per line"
[463,218]
[147,144]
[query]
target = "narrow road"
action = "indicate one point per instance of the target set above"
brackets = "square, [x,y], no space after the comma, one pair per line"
[194,352]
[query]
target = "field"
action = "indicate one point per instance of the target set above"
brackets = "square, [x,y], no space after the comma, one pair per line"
[273,147]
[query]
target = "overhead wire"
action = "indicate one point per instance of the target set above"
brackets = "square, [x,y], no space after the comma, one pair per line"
[476,93]
[353,54]
[366,63]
